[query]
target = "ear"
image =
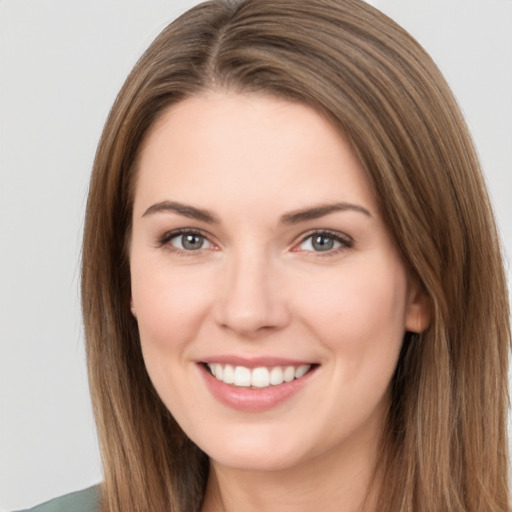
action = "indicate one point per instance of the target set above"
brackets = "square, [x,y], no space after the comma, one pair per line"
[132,308]
[418,314]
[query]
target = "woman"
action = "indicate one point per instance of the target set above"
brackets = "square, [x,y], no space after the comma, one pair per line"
[292,287]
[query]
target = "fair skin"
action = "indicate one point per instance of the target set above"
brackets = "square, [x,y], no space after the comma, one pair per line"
[285,262]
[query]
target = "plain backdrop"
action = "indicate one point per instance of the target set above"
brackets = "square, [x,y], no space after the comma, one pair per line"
[61,65]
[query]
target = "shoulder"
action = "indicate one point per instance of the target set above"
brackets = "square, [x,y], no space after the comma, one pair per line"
[81,501]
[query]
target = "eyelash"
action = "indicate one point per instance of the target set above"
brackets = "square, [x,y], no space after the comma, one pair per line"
[345,241]
[165,240]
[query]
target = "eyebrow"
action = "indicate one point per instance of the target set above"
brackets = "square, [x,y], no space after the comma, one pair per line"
[321,210]
[294,217]
[186,210]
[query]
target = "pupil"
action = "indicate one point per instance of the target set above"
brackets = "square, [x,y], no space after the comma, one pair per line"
[192,242]
[323,243]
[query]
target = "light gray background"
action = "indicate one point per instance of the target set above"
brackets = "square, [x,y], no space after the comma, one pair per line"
[61,65]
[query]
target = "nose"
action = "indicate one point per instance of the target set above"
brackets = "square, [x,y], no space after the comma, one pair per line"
[251,300]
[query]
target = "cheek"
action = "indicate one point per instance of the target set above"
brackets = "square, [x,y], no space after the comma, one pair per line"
[358,313]
[169,303]
[358,317]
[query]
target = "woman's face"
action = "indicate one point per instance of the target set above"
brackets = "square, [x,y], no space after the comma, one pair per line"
[258,252]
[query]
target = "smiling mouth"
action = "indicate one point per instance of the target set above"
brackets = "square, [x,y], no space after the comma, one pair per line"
[257,378]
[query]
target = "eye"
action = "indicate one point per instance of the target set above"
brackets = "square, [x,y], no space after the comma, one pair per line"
[186,241]
[324,242]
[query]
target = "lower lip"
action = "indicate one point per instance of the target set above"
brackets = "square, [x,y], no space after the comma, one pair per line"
[251,399]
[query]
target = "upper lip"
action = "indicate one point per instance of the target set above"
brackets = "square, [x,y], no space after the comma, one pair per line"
[255,362]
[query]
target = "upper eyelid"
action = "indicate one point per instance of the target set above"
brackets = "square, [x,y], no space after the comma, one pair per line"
[334,234]
[345,242]
[169,235]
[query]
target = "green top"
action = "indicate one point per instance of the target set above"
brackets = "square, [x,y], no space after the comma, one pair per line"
[81,501]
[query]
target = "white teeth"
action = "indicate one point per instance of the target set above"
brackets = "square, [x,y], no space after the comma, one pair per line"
[218,371]
[242,376]
[276,376]
[289,374]
[302,370]
[260,377]
[229,374]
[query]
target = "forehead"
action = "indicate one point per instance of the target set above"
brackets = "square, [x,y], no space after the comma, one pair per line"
[247,148]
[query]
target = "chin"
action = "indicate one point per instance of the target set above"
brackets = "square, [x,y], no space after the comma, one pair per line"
[256,451]
[256,460]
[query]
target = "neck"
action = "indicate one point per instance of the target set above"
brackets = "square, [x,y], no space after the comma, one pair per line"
[344,480]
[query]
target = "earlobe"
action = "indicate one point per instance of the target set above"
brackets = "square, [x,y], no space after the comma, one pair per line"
[419,311]
[132,308]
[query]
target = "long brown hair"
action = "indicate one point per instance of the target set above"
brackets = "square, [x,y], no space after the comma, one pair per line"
[444,447]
